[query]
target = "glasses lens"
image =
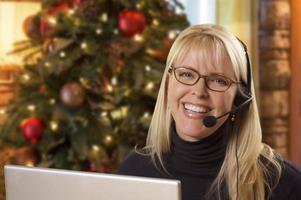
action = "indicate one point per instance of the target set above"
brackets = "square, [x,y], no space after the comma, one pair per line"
[217,82]
[186,76]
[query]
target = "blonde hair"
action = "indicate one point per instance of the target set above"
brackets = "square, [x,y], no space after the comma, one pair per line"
[251,152]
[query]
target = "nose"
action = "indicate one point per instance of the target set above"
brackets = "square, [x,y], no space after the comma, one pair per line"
[200,89]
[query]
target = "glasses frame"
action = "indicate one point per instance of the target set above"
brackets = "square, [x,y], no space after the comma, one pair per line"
[230,81]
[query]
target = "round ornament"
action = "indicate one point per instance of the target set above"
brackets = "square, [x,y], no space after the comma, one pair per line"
[31,27]
[72,95]
[131,22]
[32,129]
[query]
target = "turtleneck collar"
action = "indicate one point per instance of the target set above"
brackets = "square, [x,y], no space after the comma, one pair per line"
[203,157]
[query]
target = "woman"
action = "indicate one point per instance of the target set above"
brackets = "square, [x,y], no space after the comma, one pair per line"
[205,129]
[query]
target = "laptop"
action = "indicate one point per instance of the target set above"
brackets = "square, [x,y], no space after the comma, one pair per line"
[31,183]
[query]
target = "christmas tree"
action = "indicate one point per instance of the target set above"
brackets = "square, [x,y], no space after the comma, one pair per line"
[90,80]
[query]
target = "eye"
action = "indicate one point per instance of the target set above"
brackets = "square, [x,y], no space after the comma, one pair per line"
[218,80]
[185,74]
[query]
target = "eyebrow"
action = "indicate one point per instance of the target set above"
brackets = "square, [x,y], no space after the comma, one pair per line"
[211,73]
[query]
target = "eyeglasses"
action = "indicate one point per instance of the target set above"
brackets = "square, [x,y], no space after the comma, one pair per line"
[213,82]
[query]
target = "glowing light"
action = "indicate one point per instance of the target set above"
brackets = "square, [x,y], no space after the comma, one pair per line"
[104,17]
[108,138]
[147,68]
[54,126]
[114,81]
[31,108]
[156,22]
[84,45]
[109,88]
[47,64]
[95,148]
[104,114]
[63,54]
[146,115]
[172,34]
[26,77]
[150,86]
[52,20]
[98,31]
[2,111]
[138,38]
[138,6]
[52,101]
[29,163]
[71,12]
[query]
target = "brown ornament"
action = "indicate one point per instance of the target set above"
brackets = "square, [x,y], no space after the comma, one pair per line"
[72,95]
[26,156]
[31,27]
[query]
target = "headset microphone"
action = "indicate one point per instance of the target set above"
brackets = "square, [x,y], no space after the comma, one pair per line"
[210,121]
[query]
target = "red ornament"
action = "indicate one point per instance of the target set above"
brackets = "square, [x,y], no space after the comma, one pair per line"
[32,129]
[61,7]
[31,27]
[92,168]
[131,22]
[42,88]
[45,27]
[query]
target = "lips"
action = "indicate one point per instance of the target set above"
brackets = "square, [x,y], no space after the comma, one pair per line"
[196,111]
[196,108]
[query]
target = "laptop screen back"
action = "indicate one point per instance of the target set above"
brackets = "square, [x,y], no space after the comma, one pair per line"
[26,183]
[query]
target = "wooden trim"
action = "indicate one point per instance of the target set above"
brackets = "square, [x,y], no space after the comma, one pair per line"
[295,89]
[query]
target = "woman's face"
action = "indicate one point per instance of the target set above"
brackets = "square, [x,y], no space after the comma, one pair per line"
[190,104]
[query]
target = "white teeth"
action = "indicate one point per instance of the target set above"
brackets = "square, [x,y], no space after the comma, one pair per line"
[195,108]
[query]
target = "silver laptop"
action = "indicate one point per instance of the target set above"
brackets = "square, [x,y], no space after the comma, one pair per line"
[28,183]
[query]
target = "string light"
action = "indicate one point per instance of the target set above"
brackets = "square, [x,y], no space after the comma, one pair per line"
[84,45]
[146,115]
[104,114]
[114,81]
[108,138]
[138,6]
[109,88]
[149,86]
[52,101]
[138,38]
[95,148]
[98,31]
[29,163]
[52,20]
[31,107]
[104,17]
[156,22]
[172,34]
[71,12]
[54,126]
[47,64]
[63,54]
[26,77]
[2,111]
[147,68]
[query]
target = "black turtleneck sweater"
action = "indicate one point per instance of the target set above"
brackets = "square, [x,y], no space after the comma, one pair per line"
[196,165]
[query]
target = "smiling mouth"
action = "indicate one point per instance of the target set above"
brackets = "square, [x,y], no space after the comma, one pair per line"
[196,108]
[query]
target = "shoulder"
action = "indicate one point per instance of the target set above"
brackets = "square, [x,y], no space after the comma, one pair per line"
[289,185]
[138,164]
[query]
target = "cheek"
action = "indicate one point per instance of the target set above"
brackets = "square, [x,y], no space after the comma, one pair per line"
[224,102]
